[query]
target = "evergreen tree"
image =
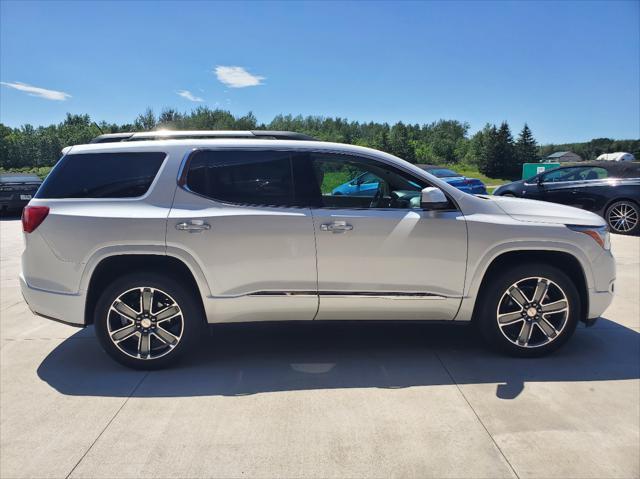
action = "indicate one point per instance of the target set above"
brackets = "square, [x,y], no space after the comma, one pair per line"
[506,158]
[526,147]
[489,164]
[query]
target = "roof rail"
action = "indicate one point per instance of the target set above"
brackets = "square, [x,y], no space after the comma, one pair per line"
[202,134]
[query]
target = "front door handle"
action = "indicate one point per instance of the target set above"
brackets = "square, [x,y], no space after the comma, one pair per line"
[336,227]
[193,226]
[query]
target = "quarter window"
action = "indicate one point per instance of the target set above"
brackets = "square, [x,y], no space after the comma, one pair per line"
[242,176]
[102,175]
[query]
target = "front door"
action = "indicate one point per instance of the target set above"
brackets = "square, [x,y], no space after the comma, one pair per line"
[235,217]
[380,256]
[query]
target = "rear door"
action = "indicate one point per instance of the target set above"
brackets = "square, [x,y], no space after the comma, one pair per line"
[380,256]
[235,214]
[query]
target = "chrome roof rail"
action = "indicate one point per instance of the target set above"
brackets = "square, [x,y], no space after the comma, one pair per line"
[200,134]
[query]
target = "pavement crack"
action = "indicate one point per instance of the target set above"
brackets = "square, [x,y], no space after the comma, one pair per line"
[108,424]
[477,416]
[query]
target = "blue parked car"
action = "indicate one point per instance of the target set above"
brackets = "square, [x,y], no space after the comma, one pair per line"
[366,184]
[469,185]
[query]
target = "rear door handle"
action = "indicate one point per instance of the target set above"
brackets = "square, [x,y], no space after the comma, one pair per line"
[336,227]
[193,226]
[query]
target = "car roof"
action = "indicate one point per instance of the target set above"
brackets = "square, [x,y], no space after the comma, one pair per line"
[622,168]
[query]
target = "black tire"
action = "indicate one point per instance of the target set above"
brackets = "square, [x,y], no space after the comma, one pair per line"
[187,324]
[495,299]
[613,217]
[509,195]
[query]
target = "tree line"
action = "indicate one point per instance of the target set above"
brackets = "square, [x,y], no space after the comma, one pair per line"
[493,150]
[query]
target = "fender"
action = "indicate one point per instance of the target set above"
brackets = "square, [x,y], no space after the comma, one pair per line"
[477,274]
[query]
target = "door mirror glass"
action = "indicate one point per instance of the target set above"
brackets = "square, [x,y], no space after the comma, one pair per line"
[433,199]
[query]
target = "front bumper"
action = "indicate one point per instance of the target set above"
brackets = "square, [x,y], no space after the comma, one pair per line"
[601,294]
[65,308]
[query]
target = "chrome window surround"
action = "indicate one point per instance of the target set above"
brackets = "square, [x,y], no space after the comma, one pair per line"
[184,170]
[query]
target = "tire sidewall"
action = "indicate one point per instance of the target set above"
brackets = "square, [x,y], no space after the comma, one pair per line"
[498,284]
[186,300]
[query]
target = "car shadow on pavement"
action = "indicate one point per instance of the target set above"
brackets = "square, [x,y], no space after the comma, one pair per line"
[255,358]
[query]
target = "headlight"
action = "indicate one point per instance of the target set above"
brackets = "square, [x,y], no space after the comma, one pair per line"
[600,234]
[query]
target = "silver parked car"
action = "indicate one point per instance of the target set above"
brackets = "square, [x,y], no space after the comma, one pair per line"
[151,236]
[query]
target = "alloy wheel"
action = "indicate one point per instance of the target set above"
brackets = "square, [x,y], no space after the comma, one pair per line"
[145,323]
[533,312]
[623,217]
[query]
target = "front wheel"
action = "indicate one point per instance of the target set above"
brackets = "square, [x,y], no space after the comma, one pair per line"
[147,320]
[529,310]
[623,217]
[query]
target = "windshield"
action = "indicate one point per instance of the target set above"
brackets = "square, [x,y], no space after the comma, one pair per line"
[442,172]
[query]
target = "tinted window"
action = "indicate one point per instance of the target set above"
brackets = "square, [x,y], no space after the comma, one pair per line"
[576,173]
[242,176]
[343,181]
[102,175]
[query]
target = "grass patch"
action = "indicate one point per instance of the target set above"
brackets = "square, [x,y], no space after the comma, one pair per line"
[41,171]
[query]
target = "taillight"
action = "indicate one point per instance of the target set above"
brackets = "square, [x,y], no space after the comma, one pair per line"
[32,216]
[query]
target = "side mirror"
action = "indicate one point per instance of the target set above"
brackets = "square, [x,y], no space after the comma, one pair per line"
[433,199]
[539,180]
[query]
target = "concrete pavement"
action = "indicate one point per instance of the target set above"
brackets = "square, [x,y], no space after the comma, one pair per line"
[318,400]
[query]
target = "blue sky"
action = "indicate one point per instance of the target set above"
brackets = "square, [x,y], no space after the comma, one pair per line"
[569,69]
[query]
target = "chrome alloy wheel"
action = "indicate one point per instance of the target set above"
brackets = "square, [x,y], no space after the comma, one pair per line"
[533,312]
[623,217]
[145,323]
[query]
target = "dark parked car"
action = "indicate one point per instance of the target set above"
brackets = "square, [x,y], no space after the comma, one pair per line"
[16,189]
[609,189]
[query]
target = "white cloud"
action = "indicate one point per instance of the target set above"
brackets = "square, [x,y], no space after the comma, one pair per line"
[237,77]
[189,96]
[37,91]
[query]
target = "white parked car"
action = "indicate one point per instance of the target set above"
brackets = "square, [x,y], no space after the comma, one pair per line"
[619,156]
[152,236]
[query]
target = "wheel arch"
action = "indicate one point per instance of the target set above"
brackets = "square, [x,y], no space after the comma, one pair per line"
[563,260]
[111,267]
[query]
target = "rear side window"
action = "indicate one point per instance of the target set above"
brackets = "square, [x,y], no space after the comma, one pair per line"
[242,176]
[102,175]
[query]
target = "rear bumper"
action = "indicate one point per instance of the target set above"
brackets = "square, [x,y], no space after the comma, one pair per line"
[65,308]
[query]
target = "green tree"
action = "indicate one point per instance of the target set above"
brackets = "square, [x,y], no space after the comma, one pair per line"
[526,147]
[399,143]
[146,121]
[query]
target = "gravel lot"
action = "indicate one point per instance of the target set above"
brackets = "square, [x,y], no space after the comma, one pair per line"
[317,400]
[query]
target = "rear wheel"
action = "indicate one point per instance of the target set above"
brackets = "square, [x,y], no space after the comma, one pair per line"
[529,310]
[146,320]
[623,217]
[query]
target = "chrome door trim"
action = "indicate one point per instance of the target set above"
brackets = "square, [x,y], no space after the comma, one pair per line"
[356,294]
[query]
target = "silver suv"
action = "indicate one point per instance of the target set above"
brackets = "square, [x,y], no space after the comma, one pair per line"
[152,236]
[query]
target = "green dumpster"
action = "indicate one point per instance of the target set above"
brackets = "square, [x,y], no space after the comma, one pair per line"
[532,169]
